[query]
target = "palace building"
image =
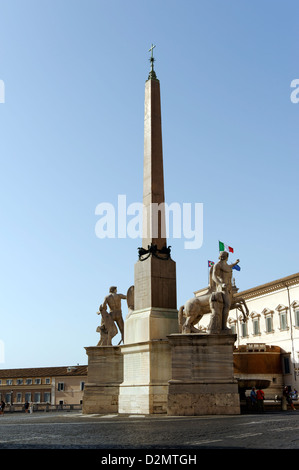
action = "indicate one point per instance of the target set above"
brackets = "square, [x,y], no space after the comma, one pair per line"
[273,321]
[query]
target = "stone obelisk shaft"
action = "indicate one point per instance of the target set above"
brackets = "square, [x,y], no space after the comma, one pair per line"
[154,231]
[155,275]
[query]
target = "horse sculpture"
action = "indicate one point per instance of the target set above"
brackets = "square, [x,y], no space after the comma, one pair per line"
[211,302]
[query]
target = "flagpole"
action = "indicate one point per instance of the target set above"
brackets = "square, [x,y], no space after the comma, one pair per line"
[208,273]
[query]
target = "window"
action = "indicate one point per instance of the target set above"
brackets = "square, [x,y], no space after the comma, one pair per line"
[37,381]
[9,382]
[82,386]
[28,381]
[60,387]
[268,320]
[232,325]
[19,397]
[269,324]
[295,306]
[8,397]
[255,323]
[244,330]
[256,326]
[47,381]
[47,397]
[28,397]
[283,321]
[19,381]
[36,397]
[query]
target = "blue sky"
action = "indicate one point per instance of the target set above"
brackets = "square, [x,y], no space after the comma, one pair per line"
[71,137]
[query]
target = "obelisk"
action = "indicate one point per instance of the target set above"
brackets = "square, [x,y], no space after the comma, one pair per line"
[155,271]
[146,349]
[153,174]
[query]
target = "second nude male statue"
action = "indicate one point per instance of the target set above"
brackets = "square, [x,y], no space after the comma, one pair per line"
[113,300]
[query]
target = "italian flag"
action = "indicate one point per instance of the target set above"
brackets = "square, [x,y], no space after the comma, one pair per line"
[224,247]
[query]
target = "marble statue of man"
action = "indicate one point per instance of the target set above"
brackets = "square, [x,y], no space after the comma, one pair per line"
[113,300]
[222,277]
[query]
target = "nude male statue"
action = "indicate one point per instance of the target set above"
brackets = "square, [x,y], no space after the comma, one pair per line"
[222,277]
[113,300]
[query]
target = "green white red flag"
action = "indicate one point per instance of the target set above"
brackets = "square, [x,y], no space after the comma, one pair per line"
[224,247]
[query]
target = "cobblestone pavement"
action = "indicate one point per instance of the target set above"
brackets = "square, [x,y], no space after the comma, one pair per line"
[73,430]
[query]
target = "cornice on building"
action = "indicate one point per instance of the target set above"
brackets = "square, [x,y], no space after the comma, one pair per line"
[262,289]
[270,287]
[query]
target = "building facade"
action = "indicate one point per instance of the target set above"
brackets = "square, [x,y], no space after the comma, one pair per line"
[43,385]
[273,320]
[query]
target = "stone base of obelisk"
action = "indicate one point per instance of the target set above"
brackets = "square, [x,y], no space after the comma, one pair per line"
[147,360]
[105,373]
[146,351]
[150,324]
[147,370]
[202,381]
[155,284]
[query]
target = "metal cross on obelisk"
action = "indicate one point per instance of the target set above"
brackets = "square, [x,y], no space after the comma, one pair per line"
[152,73]
[151,50]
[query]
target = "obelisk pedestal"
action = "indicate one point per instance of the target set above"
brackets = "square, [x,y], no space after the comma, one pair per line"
[146,351]
[155,315]
[202,381]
